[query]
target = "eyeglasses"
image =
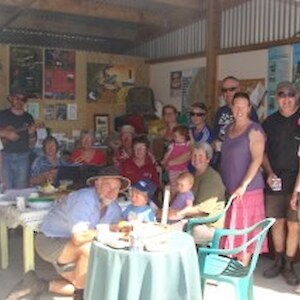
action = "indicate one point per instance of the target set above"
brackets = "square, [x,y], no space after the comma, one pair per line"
[230,89]
[286,94]
[192,114]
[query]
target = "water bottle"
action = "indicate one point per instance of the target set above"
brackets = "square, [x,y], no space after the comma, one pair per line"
[136,242]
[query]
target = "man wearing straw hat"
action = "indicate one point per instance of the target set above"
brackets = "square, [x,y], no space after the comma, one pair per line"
[66,235]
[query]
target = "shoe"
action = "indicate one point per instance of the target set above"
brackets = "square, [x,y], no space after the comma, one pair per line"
[30,285]
[277,267]
[288,272]
[78,294]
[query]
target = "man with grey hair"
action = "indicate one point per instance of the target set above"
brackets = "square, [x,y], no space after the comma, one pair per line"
[281,165]
[66,235]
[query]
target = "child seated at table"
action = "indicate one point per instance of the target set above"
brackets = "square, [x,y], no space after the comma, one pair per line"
[184,197]
[139,209]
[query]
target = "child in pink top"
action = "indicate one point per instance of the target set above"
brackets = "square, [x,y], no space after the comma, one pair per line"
[178,155]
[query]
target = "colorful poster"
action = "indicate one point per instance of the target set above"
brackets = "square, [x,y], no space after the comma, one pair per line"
[59,74]
[50,112]
[25,71]
[278,70]
[175,84]
[61,112]
[296,66]
[103,77]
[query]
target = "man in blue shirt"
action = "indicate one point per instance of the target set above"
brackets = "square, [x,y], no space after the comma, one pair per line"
[66,235]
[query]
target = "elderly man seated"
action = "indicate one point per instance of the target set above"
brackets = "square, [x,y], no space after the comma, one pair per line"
[66,235]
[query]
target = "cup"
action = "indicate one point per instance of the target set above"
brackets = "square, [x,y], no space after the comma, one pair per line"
[102,232]
[276,184]
[21,203]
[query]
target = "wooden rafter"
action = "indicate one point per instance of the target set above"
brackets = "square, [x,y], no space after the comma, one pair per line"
[189,4]
[92,9]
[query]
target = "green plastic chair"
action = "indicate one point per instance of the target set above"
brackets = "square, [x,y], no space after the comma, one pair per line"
[192,222]
[216,264]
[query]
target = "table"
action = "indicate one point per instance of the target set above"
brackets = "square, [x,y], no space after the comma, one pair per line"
[30,220]
[173,274]
[11,217]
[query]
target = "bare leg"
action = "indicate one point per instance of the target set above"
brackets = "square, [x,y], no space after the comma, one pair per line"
[292,241]
[62,287]
[279,235]
[76,278]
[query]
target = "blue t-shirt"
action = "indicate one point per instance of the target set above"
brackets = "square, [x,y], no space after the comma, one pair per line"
[82,206]
[224,117]
[141,213]
[42,164]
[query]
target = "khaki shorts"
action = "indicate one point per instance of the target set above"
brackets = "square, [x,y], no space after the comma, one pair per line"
[278,207]
[49,248]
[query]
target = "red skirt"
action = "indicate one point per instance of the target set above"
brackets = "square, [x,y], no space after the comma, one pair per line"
[244,213]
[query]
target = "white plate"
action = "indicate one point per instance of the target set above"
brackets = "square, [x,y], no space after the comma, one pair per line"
[40,205]
[117,244]
[7,203]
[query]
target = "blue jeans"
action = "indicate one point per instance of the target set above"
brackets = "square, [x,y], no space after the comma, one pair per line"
[15,170]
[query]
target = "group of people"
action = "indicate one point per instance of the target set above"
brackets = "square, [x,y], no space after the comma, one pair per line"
[251,159]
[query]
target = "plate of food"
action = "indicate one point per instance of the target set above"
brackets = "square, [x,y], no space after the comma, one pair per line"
[47,188]
[40,202]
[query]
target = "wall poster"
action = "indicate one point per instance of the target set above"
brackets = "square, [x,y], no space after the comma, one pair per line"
[59,81]
[278,70]
[105,77]
[25,71]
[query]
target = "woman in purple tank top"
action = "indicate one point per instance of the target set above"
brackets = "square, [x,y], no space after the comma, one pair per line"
[241,157]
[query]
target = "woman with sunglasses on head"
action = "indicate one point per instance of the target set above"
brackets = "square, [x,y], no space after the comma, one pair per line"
[241,158]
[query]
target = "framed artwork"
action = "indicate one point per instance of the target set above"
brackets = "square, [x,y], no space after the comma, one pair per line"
[101,127]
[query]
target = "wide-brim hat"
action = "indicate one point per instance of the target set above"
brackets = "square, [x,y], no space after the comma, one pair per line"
[125,182]
[110,173]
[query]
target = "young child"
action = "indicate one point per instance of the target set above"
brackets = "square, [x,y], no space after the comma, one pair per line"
[184,197]
[178,155]
[139,209]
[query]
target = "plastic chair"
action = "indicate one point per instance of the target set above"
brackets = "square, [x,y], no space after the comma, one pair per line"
[192,222]
[215,263]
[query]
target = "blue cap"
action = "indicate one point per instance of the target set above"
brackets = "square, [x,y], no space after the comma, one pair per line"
[145,185]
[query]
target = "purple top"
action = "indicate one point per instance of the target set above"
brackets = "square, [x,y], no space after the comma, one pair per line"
[235,160]
[179,201]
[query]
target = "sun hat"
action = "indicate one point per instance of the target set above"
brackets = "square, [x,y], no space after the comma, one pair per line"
[286,85]
[146,186]
[110,173]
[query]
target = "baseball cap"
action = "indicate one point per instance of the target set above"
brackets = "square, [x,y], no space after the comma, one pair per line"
[286,85]
[145,185]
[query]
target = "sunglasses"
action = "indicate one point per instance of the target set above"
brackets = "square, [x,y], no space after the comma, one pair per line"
[284,95]
[230,89]
[192,114]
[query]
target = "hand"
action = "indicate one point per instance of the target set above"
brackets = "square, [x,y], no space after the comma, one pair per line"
[50,175]
[294,201]
[174,215]
[270,179]
[239,192]
[10,134]
[31,129]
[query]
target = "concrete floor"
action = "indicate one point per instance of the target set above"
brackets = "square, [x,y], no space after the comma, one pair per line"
[267,289]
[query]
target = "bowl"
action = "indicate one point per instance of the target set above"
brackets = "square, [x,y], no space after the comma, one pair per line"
[40,202]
